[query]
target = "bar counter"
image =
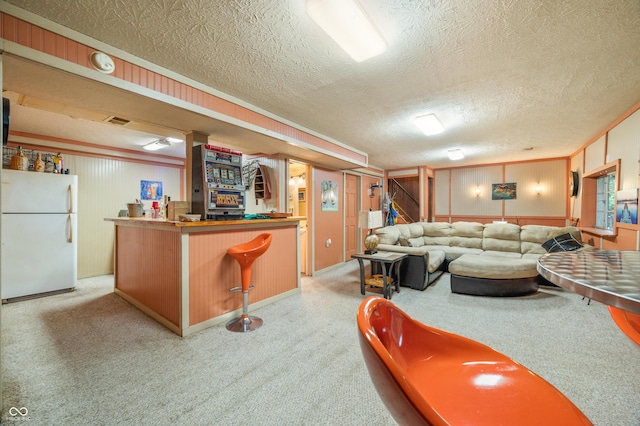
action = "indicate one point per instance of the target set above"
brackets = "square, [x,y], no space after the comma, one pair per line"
[179,273]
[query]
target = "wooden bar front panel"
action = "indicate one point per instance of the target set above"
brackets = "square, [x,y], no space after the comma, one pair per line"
[212,272]
[148,268]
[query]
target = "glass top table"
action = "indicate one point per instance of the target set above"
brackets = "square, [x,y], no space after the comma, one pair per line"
[608,276]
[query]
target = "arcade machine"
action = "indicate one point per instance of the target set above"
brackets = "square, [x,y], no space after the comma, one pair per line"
[217,188]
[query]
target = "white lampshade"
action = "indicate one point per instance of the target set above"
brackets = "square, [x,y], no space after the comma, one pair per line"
[348,25]
[370,219]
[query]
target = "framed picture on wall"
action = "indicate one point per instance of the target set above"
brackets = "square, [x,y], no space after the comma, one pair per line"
[150,190]
[302,194]
[503,191]
[627,206]
[329,196]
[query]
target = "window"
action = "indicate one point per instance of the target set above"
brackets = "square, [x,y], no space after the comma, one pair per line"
[599,188]
[606,201]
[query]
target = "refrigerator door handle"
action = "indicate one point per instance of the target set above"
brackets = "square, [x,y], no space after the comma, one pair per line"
[70,236]
[70,198]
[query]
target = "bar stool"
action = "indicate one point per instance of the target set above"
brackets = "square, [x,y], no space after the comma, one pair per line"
[246,254]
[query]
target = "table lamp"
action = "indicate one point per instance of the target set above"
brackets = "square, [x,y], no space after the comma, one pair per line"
[369,219]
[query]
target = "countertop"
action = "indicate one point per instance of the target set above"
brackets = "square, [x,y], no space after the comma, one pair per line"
[141,221]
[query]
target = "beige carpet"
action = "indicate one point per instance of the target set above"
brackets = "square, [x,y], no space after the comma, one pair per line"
[88,357]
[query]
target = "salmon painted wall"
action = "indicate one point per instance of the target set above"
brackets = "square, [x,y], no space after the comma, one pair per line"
[328,225]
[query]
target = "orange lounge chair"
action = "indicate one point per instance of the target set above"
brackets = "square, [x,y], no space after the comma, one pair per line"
[628,322]
[427,376]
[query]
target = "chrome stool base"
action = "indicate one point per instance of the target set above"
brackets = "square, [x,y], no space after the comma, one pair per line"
[244,324]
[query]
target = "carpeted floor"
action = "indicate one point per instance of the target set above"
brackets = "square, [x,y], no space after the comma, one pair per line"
[88,357]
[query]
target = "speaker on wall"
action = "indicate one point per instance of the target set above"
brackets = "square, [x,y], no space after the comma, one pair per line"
[5,120]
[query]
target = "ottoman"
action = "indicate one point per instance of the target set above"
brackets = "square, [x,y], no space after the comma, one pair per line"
[493,275]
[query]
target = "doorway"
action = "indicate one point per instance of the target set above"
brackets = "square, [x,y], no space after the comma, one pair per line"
[299,202]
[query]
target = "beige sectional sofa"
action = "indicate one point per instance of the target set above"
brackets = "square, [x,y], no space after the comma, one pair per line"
[497,259]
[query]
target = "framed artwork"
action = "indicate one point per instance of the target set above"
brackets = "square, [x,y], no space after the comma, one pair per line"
[329,196]
[150,190]
[503,191]
[302,194]
[627,206]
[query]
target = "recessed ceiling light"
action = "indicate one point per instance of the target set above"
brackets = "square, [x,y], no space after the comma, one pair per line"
[348,25]
[429,124]
[455,154]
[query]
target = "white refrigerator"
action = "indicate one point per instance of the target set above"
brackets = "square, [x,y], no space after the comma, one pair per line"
[39,233]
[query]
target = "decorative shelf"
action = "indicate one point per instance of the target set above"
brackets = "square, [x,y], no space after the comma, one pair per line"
[258,184]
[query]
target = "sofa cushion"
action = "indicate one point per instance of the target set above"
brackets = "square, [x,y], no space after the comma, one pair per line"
[564,242]
[508,254]
[466,234]
[388,235]
[455,252]
[501,237]
[416,251]
[436,233]
[415,242]
[404,229]
[436,257]
[436,229]
[415,230]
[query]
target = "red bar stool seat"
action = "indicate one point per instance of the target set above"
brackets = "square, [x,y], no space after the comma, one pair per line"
[426,376]
[246,254]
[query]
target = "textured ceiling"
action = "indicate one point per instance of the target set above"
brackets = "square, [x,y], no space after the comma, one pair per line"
[502,76]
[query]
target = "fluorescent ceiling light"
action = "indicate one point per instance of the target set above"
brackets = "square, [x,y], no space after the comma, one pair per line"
[156,145]
[348,25]
[455,154]
[174,140]
[429,124]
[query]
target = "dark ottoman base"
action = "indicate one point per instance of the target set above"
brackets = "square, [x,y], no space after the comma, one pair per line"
[493,287]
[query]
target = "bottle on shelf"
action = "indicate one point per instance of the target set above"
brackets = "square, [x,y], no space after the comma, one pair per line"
[38,164]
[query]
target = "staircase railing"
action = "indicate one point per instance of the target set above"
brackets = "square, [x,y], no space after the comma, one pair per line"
[407,206]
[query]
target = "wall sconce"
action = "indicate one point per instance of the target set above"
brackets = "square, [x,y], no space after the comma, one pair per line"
[300,179]
[372,187]
[477,191]
[538,188]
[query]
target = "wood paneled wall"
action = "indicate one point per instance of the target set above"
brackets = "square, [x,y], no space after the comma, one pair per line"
[212,272]
[464,193]
[621,140]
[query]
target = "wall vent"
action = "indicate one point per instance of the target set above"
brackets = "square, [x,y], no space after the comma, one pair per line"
[117,121]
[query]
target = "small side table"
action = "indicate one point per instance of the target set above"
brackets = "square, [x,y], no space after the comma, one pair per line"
[387,261]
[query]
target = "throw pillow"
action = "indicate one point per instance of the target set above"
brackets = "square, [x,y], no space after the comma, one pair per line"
[403,241]
[564,242]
